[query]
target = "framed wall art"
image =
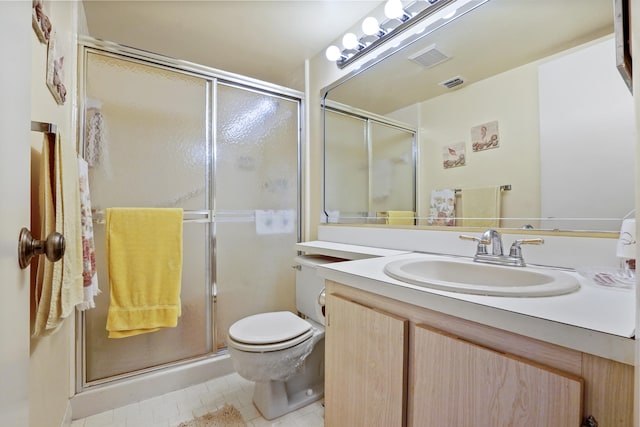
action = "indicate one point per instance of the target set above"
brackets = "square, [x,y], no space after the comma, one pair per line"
[55,70]
[485,136]
[40,20]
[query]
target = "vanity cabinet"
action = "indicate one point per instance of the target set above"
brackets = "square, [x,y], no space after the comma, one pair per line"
[458,383]
[365,371]
[389,363]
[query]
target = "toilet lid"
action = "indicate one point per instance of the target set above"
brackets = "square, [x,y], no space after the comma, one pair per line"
[268,328]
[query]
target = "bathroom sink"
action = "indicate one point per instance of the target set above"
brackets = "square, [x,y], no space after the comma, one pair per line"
[481,279]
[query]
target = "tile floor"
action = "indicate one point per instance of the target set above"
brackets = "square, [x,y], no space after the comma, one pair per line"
[171,409]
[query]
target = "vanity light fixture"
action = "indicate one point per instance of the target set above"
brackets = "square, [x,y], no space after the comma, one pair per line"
[430,14]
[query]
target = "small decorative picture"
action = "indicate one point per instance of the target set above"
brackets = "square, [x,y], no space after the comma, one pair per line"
[485,136]
[55,70]
[40,20]
[453,155]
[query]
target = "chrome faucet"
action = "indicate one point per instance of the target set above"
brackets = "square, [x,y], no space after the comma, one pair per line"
[494,238]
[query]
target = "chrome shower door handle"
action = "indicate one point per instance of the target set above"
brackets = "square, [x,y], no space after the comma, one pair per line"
[53,247]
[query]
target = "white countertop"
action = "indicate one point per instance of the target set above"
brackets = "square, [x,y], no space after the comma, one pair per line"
[346,251]
[594,319]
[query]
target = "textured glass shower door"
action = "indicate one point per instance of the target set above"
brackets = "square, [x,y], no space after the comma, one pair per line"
[149,146]
[256,203]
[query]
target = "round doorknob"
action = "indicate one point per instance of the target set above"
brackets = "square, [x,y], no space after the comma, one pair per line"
[53,248]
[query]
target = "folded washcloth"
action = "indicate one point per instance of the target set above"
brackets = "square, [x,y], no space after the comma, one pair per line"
[144,256]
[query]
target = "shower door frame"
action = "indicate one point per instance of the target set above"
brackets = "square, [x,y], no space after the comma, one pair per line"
[87,45]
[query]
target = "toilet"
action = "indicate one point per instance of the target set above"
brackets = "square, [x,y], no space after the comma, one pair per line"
[284,352]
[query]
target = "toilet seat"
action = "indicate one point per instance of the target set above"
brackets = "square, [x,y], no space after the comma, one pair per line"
[269,332]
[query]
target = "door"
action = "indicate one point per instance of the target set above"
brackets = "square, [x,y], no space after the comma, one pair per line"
[256,203]
[148,146]
[365,366]
[458,383]
[15,106]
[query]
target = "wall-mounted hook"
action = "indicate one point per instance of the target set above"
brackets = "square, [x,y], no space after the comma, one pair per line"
[28,247]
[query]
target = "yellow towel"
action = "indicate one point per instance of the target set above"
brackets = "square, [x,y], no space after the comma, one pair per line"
[400,217]
[44,275]
[67,288]
[144,256]
[59,284]
[481,207]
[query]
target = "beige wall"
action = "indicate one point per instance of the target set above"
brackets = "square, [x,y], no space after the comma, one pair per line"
[52,357]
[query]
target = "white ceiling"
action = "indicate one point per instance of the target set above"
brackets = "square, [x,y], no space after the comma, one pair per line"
[269,40]
[266,40]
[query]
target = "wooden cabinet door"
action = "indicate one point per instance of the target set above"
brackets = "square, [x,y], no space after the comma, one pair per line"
[458,383]
[365,366]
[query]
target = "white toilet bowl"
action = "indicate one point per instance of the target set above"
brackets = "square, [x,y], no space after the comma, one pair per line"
[282,352]
[288,372]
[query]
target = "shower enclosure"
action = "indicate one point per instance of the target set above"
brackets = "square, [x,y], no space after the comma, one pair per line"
[164,133]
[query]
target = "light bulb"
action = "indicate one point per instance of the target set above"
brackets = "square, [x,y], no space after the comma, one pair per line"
[370,26]
[350,41]
[393,9]
[333,53]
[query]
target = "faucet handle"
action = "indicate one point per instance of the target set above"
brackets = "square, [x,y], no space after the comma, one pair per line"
[475,239]
[482,243]
[516,251]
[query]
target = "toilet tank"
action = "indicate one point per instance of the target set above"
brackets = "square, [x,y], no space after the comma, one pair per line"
[309,285]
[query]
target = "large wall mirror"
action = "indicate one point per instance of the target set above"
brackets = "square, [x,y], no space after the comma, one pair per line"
[539,132]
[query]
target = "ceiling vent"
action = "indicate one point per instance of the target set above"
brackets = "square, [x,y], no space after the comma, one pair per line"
[453,82]
[429,57]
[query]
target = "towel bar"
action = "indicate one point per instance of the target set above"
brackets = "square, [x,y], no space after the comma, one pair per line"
[506,187]
[43,127]
[100,216]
